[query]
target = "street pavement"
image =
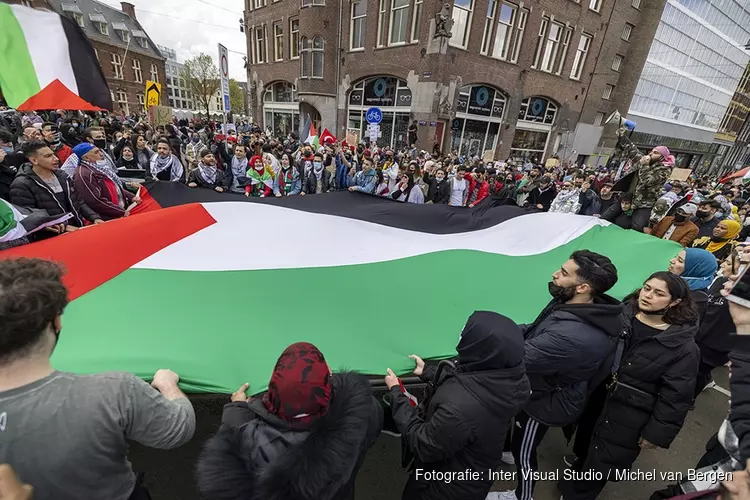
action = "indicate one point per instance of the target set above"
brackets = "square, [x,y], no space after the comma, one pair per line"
[170,474]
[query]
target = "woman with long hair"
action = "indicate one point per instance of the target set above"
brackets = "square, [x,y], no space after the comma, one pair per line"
[407,190]
[651,390]
[142,152]
[381,186]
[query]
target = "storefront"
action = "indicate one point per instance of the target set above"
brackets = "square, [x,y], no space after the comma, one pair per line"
[535,121]
[281,108]
[479,114]
[393,97]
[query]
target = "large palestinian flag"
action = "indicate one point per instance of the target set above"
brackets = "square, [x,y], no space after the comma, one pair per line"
[215,286]
[47,62]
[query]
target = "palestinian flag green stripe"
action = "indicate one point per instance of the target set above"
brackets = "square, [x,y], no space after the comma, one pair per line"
[20,82]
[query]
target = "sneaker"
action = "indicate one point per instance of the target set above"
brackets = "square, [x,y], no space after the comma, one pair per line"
[501,495]
[570,460]
[508,458]
[710,385]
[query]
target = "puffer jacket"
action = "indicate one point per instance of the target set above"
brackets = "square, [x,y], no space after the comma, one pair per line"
[569,350]
[30,191]
[256,456]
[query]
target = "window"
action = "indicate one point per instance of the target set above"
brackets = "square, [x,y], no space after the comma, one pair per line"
[399,21]
[78,19]
[141,100]
[257,4]
[143,42]
[416,21]
[520,26]
[636,4]
[182,82]
[617,62]
[137,71]
[357,26]
[626,31]
[580,59]
[595,5]
[154,73]
[507,40]
[294,39]
[547,45]
[260,44]
[170,91]
[117,67]
[102,27]
[319,2]
[564,53]
[381,23]
[599,119]
[317,57]
[177,93]
[608,92]
[278,41]
[305,3]
[461,22]
[125,35]
[305,62]
[122,100]
[171,102]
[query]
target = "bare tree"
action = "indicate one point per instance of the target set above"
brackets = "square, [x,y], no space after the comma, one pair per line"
[202,79]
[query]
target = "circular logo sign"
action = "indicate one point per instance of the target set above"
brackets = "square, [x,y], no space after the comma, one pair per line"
[537,106]
[483,95]
[380,87]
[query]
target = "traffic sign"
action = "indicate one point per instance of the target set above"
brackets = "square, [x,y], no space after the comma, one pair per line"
[224,74]
[374,115]
[153,93]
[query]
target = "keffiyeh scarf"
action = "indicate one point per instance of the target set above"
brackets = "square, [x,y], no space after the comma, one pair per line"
[239,167]
[207,173]
[159,164]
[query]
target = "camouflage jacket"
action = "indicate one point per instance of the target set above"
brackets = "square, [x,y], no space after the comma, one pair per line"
[649,179]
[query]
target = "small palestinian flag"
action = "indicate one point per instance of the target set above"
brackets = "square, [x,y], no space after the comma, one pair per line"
[312,138]
[47,62]
[16,223]
[216,285]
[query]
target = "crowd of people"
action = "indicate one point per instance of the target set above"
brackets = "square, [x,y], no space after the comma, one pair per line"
[619,375]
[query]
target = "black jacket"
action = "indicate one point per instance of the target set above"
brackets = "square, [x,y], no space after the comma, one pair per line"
[615,215]
[740,387]
[255,456]
[309,185]
[437,193]
[129,164]
[569,350]
[464,423]
[543,198]
[30,191]
[714,337]
[661,371]
[221,180]
[590,203]
[7,174]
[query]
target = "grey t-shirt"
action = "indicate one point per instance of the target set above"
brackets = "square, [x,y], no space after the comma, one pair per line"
[66,434]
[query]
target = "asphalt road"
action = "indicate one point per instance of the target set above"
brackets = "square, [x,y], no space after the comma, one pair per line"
[170,474]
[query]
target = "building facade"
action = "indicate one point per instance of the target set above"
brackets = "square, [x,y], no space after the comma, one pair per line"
[177,92]
[523,79]
[125,52]
[692,95]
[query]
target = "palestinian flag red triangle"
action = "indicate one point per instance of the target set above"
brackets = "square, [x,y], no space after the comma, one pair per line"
[57,96]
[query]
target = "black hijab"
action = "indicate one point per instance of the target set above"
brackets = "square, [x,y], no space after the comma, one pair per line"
[489,341]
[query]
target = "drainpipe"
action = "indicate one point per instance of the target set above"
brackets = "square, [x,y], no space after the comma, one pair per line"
[338,68]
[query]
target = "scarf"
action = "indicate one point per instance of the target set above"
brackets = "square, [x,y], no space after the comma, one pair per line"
[733,229]
[207,173]
[144,158]
[308,167]
[159,164]
[105,168]
[318,171]
[239,167]
[262,177]
[700,267]
[300,388]
[286,179]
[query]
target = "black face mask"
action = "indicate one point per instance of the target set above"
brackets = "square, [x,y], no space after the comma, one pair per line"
[561,293]
[680,217]
[100,143]
[702,214]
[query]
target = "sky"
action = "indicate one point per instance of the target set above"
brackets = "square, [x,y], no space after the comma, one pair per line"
[201,25]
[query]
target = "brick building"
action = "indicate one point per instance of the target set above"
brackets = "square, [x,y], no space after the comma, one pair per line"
[126,54]
[516,78]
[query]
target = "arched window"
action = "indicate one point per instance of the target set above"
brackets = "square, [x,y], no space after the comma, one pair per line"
[281,108]
[304,57]
[317,57]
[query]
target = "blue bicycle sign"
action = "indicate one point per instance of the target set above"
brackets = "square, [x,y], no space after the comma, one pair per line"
[374,115]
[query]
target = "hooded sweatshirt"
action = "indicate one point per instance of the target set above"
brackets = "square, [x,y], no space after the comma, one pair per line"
[569,351]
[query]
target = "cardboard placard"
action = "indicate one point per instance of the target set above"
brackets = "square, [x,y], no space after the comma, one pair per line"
[680,174]
[159,115]
[488,155]
[551,163]
[352,137]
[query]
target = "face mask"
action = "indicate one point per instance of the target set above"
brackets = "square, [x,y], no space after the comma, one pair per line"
[127,156]
[7,149]
[317,164]
[439,178]
[195,140]
[680,217]
[100,143]
[720,215]
[561,293]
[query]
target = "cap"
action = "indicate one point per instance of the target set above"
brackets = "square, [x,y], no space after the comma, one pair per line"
[688,208]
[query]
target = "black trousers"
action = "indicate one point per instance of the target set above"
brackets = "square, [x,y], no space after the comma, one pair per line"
[640,219]
[704,377]
[527,434]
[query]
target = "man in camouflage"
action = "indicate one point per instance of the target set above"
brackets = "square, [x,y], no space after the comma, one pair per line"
[651,173]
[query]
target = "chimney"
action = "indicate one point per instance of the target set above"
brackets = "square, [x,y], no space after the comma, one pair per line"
[129,9]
